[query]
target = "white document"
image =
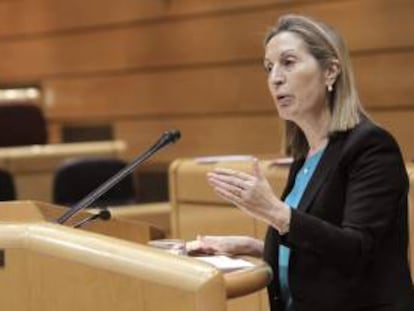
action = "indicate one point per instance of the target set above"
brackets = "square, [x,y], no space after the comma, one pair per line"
[225,263]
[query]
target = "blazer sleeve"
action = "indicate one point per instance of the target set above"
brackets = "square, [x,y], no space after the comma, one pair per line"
[376,188]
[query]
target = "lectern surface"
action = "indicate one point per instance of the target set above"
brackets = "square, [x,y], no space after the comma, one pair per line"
[49,267]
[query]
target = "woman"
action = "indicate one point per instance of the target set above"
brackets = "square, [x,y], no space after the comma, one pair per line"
[337,239]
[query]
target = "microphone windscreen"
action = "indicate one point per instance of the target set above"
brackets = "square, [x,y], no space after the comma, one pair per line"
[173,135]
[105,214]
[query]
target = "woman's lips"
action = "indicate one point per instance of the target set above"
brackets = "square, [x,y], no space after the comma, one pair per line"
[284,99]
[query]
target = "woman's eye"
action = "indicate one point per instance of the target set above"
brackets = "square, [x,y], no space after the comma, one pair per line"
[268,67]
[288,62]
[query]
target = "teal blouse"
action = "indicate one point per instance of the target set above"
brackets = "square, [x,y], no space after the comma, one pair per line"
[293,199]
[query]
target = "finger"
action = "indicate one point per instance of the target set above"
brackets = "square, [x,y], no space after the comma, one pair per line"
[231,180]
[217,183]
[228,196]
[230,172]
[226,191]
[256,169]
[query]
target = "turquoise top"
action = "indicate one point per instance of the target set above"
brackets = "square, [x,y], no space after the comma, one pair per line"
[293,199]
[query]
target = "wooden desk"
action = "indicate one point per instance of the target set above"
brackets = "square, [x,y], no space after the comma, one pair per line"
[157,214]
[247,281]
[33,167]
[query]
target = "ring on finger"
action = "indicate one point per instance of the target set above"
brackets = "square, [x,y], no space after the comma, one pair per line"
[241,185]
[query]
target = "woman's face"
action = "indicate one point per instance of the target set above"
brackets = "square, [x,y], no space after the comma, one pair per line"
[296,81]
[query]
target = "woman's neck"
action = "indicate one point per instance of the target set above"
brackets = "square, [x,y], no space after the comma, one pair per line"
[316,131]
[317,146]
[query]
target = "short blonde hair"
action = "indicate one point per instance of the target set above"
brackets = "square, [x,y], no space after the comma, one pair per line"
[325,44]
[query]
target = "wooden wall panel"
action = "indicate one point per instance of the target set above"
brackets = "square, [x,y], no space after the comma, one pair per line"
[384,80]
[211,39]
[370,24]
[208,40]
[40,16]
[178,92]
[205,136]
[258,135]
[400,124]
[36,58]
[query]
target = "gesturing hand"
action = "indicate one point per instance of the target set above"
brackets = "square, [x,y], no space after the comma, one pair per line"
[251,193]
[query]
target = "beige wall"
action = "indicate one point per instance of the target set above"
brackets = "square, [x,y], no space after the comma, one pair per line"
[146,66]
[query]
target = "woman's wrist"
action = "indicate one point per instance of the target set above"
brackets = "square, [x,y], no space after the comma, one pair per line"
[284,226]
[252,247]
[245,245]
[281,218]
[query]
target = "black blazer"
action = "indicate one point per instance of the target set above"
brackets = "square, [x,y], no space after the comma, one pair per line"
[349,234]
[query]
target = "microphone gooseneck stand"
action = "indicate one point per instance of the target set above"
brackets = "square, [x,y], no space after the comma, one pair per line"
[165,139]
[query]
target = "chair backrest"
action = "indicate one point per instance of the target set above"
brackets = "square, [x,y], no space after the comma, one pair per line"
[7,190]
[22,124]
[76,178]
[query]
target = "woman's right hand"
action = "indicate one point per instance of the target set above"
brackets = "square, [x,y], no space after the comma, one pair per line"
[227,245]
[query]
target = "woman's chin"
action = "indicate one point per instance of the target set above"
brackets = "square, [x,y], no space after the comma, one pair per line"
[285,115]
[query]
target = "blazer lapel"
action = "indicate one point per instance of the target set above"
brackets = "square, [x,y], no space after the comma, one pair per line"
[327,162]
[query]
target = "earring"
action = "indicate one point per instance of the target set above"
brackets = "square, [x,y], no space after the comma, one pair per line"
[329,88]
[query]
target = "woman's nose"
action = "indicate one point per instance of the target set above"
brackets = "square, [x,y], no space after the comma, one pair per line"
[276,77]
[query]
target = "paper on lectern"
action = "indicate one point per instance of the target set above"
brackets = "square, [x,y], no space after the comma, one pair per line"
[225,263]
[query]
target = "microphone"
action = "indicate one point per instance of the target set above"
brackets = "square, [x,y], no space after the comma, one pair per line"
[166,138]
[103,214]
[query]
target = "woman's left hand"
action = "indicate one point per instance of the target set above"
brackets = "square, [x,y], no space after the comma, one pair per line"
[251,193]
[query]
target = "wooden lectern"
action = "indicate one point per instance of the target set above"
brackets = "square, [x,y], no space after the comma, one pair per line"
[51,267]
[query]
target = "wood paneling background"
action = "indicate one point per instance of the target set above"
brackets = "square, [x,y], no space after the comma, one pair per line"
[146,66]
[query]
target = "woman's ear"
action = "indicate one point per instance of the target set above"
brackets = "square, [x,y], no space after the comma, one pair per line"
[332,72]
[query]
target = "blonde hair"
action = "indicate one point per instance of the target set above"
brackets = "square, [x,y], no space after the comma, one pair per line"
[325,44]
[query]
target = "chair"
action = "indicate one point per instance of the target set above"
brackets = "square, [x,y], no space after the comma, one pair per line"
[7,191]
[76,178]
[22,124]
